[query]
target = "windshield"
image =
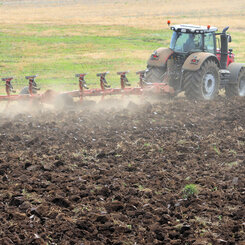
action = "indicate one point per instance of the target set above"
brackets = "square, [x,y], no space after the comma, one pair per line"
[186,42]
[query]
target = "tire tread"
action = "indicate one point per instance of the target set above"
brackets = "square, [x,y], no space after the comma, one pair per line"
[193,81]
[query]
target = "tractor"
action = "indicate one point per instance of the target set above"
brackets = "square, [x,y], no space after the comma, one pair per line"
[197,62]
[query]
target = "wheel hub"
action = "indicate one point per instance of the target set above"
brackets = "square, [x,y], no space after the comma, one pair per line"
[242,87]
[208,85]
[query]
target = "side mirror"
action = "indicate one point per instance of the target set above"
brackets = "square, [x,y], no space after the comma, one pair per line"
[229,39]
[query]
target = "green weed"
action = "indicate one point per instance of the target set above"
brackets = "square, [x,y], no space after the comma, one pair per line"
[190,190]
[233,152]
[233,164]
[216,149]
[214,189]
[129,227]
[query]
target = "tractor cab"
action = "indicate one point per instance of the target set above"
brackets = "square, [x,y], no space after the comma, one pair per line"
[189,39]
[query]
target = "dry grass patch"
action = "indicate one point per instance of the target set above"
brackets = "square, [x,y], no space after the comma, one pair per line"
[140,13]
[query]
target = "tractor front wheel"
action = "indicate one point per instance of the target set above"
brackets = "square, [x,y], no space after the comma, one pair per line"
[237,88]
[204,83]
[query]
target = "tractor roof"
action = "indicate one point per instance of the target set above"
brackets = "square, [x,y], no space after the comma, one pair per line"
[193,29]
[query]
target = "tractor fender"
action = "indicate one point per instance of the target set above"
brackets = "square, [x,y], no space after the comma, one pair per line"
[234,69]
[159,57]
[195,61]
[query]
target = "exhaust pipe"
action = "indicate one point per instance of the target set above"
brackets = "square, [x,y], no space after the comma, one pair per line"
[224,47]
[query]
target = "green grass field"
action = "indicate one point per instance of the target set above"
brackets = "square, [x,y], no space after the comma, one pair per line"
[56,52]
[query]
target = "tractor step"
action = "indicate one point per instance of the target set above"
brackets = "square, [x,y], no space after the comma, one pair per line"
[224,77]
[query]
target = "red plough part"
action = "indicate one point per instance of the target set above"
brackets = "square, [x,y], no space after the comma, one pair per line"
[104,90]
[9,89]
[32,84]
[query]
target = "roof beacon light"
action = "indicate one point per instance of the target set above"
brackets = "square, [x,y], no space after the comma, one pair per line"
[208,26]
[168,22]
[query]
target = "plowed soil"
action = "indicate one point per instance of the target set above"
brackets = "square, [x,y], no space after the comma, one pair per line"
[117,176]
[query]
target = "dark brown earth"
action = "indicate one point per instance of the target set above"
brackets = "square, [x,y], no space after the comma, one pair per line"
[116,176]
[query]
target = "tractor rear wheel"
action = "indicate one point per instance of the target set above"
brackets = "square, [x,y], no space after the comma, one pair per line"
[154,74]
[204,83]
[237,88]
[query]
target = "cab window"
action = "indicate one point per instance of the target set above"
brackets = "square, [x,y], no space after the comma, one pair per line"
[186,42]
[209,43]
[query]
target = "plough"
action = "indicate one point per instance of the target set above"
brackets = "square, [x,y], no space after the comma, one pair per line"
[84,91]
[125,89]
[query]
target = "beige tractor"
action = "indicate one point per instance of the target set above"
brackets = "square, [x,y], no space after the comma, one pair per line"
[197,62]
